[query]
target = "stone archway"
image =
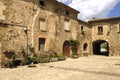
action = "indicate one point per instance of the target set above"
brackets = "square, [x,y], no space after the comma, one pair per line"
[66,48]
[101,47]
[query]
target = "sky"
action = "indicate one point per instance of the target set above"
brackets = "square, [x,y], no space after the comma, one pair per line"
[90,9]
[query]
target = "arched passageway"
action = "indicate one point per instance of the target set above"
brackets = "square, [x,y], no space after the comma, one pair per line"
[66,48]
[101,47]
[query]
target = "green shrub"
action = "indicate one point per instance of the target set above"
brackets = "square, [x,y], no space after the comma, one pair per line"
[26,61]
[17,62]
[74,46]
[86,54]
[34,60]
[61,57]
[43,57]
[44,60]
[9,64]
[53,54]
[74,56]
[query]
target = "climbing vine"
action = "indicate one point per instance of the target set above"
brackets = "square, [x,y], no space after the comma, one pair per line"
[74,45]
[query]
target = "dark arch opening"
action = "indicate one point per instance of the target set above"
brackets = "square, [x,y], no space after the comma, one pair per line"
[85,45]
[66,48]
[101,47]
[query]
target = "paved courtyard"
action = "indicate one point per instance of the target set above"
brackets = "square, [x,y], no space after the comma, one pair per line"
[83,68]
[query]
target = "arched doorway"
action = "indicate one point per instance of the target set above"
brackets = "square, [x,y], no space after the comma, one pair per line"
[66,48]
[101,47]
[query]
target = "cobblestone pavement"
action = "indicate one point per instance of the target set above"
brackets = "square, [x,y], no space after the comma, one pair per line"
[83,68]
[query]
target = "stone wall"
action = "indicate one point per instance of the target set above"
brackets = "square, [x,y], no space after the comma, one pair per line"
[29,12]
[13,39]
[85,37]
[55,33]
[110,34]
[2,9]
[12,42]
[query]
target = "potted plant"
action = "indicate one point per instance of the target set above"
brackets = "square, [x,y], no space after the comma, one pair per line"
[61,57]
[75,55]
[86,54]
[34,60]
[53,57]
[44,58]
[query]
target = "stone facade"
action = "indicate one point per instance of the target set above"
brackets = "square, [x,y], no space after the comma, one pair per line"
[110,33]
[47,25]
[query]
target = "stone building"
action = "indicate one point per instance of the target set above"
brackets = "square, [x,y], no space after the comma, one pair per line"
[32,26]
[106,32]
[42,25]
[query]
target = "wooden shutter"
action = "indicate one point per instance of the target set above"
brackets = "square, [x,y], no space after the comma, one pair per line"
[42,25]
[67,25]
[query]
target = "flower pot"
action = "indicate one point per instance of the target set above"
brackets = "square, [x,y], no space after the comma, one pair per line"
[54,59]
[45,60]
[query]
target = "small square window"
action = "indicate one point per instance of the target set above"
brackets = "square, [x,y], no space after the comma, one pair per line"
[100,30]
[42,3]
[67,13]
[82,28]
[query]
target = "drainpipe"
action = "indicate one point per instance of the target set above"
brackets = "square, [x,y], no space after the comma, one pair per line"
[33,25]
[26,32]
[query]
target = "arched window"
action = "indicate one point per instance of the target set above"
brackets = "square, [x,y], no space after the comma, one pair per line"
[85,47]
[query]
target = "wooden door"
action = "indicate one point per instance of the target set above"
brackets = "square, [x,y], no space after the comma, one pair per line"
[66,48]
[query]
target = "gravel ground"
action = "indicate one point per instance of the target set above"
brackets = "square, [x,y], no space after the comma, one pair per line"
[83,68]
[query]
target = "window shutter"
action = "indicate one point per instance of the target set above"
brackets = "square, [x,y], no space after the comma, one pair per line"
[67,25]
[42,25]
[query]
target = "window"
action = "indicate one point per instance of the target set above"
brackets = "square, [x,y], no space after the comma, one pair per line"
[41,44]
[82,28]
[100,30]
[42,25]
[85,47]
[67,25]
[42,3]
[67,13]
